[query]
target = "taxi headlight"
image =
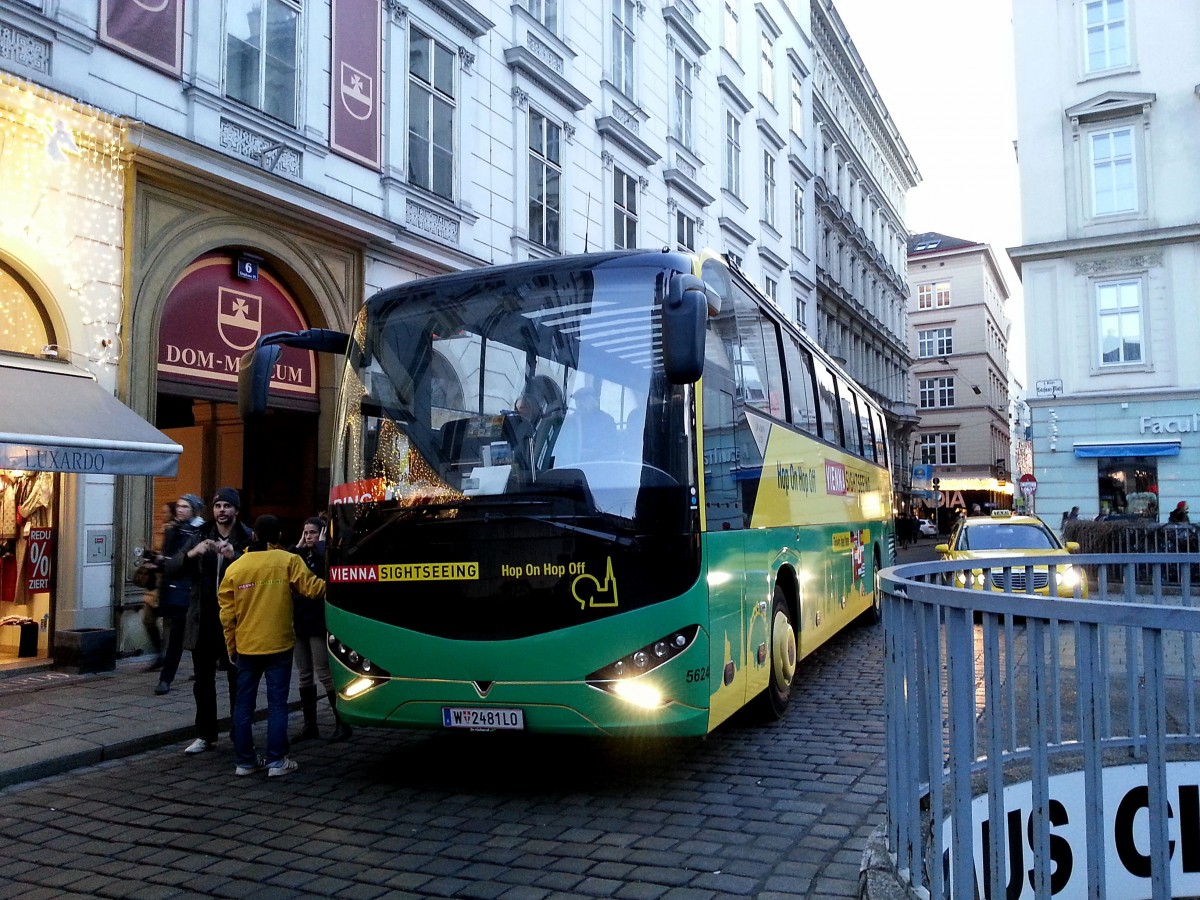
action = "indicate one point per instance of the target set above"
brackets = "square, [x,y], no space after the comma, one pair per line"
[1068,576]
[974,577]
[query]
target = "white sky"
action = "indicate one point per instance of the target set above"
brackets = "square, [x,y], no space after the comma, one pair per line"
[945,71]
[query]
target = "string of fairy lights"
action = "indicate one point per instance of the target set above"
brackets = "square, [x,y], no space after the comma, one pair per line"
[62,176]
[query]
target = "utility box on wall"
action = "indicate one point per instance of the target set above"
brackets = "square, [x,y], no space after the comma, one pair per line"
[99,546]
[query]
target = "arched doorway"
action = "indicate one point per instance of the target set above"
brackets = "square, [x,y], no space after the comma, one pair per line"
[210,318]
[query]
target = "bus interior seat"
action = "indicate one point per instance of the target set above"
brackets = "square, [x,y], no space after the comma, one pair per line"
[459,449]
[544,437]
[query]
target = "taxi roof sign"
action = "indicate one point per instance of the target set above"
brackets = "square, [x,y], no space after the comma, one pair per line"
[1001,513]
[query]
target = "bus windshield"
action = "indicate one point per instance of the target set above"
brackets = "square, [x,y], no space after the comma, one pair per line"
[546,387]
[520,410]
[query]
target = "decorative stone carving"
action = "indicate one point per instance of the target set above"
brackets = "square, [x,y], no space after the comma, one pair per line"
[606,159]
[396,10]
[544,53]
[625,117]
[1129,263]
[431,221]
[644,182]
[686,167]
[274,156]
[24,49]
[520,97]
[568,131]
[466,58]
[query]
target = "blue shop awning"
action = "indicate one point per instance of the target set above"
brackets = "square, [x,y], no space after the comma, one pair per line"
[1142,448]
[56,418]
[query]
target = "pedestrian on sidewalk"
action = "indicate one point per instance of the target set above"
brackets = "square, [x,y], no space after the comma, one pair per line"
[175,592]
[150,597]
[204,559]
[256,614]
[312,655]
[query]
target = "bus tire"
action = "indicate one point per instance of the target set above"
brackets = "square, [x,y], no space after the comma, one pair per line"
[874,613]
[773,702]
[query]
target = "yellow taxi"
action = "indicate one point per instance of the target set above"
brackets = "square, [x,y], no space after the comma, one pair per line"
[1002,536]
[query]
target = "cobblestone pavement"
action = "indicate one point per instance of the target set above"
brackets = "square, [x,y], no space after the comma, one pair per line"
[770,811]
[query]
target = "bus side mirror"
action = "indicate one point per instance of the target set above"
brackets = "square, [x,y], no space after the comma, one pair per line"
[254,379]
[684,314]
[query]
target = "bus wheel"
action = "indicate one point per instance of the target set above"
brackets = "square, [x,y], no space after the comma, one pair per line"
[874,615]
[773,702]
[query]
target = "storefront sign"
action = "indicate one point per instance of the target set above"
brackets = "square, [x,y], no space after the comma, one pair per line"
[1170,424]
[354,104]
[151,31]
[37,560]
[212,317]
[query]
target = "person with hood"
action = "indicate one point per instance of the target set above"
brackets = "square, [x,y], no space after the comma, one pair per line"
[1179,515]
[312,654]
[175,592]
[255,601]
[204,559]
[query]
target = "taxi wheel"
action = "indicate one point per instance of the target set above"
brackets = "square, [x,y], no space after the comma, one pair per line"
[773,702]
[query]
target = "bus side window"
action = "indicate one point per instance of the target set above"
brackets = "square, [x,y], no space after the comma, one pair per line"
[722,497]
[881,443]
[864,427]
[800,386]
[831,422]
[851,436]
[761,374]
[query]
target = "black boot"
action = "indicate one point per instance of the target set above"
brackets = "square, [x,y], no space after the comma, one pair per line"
[308,704]
[341,731]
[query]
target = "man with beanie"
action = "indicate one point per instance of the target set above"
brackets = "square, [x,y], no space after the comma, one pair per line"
[255,601]
[1179,515]
[204,559]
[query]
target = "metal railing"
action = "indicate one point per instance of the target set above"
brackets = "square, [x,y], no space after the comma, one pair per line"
[1040,745]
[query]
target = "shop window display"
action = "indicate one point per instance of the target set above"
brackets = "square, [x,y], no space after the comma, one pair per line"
[1128,487]
[26,505]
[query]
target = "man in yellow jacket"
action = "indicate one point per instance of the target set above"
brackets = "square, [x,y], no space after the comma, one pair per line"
[255,600]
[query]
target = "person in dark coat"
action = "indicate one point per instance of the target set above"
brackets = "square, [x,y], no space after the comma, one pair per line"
[1179,515]
[311,652]
[204,559]
[175,592]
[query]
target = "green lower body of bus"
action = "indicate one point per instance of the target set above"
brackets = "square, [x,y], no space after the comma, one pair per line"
[542,677]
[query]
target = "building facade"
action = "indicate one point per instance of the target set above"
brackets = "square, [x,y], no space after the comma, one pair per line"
[959,333]
[1110,211]
[183,180]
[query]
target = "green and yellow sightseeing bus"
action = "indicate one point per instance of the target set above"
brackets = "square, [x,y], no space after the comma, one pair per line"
[608,494]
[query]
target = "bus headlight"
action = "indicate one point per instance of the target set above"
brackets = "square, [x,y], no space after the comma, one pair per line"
[622,676]
[368,674]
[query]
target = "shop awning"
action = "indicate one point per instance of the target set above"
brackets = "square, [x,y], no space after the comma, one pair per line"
[56,418]
[1141,448]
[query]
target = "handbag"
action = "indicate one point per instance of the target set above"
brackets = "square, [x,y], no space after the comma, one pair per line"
[146,575]
[175,595]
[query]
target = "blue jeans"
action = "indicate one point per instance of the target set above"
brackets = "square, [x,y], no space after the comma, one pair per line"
[277,667]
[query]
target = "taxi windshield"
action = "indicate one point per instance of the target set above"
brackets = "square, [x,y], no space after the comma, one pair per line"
[1006,536]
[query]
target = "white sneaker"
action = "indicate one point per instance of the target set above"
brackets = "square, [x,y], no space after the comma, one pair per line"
[284,767]
[199,745]
[259,764]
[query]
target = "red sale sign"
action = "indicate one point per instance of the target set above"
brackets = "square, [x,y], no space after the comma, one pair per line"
[37,559]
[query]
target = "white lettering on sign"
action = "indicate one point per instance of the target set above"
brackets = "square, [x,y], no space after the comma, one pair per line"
[1126,836]
[1170,424]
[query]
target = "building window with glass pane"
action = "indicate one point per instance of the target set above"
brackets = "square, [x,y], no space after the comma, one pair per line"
[939,449]
[730,28]
[933,294]
[545,175]
[545,11]
[771,289]
[624,15]
[430,114]
[766,75]
[1107,35]
[261,42]
[799,240]
[681,128]
[797,122]
[685,231]
[1114,182]
[768,212]
[625,210]
[733,154]
[936,392]
[1120,311]
[935,342]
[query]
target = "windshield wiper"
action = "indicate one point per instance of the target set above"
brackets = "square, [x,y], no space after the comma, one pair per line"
[611,537]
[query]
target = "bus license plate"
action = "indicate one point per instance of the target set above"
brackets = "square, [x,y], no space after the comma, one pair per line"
[484,719]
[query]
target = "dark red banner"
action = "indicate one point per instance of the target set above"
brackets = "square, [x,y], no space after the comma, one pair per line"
[151,31]
[212,317]
[354,99]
